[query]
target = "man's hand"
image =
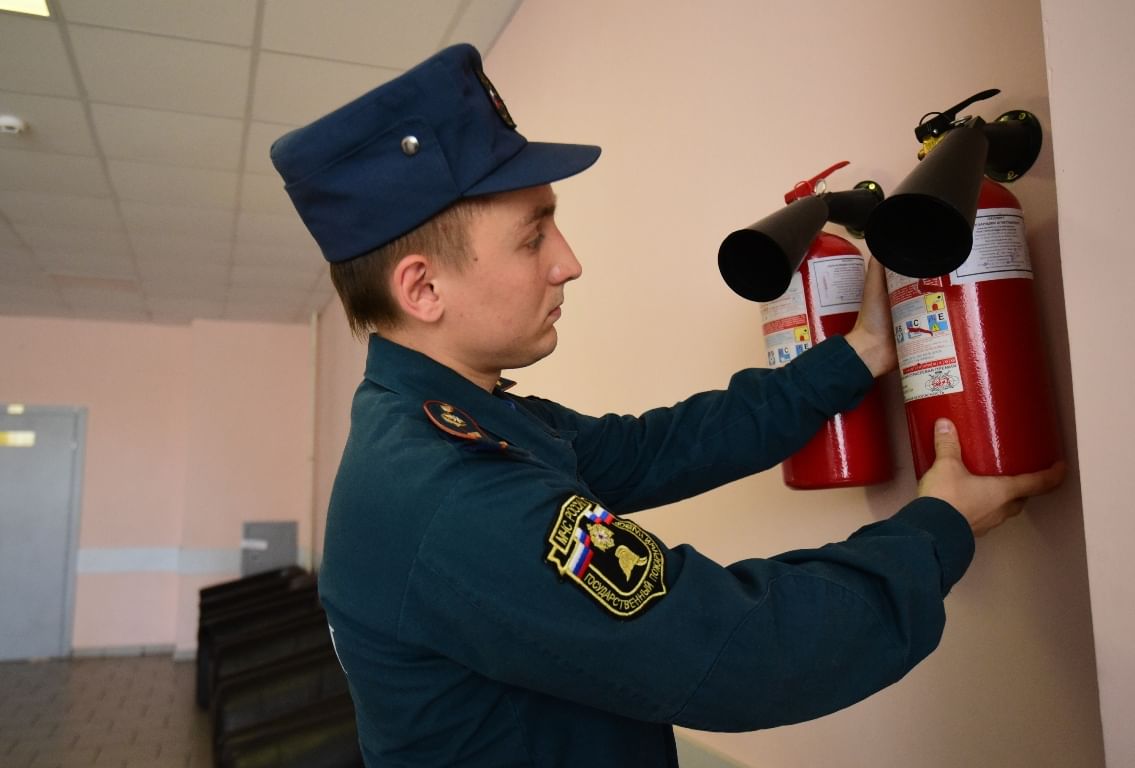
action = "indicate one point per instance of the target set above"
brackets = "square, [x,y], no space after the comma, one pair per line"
[873,335]
[985,502]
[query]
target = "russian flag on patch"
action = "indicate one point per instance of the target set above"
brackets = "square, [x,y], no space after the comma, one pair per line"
[581,556]
[600,516]
[580,559]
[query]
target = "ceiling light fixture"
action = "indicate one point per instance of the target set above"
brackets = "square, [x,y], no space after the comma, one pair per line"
[33,7]
[12,124]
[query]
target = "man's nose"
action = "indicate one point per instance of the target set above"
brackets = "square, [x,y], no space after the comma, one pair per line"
[566,268]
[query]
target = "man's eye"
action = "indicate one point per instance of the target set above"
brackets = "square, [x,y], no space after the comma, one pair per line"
[535,243]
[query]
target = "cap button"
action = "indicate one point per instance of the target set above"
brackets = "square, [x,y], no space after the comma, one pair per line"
[410,146]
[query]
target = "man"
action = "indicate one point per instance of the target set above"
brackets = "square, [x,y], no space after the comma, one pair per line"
[490,599]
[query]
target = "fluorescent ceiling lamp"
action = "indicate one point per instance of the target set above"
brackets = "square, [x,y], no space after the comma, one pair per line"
[34,7]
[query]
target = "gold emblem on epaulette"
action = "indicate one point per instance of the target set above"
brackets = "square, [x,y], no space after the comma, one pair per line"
[453,421]
[614,561]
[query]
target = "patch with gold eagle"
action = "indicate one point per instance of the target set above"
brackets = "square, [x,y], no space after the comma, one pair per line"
[614,561]
[456,423]
[495,98]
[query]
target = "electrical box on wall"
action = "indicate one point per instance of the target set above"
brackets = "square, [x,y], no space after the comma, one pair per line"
[267,546]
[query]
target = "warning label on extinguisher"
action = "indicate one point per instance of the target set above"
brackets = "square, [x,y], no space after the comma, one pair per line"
[924,338]
[1000,251]
[786,329]
[837,284]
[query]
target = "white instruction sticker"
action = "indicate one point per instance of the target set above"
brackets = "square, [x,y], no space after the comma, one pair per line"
[999,248]
[928,359]
[785,320]
[837,284]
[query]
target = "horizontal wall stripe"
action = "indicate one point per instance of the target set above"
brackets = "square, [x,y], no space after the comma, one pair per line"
[165,560]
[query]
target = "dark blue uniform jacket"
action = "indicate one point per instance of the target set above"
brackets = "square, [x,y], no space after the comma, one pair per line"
[492,604]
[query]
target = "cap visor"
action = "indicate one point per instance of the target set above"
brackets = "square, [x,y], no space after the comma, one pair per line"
[537,163]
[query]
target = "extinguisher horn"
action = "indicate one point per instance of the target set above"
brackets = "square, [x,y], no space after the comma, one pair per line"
[925,228]
[758,262]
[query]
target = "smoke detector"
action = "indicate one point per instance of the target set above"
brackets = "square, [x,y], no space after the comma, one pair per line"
[12,124]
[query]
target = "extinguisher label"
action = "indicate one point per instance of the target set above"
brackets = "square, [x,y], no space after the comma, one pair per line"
[837,284]
[999,248]
[786,329]
[924,339]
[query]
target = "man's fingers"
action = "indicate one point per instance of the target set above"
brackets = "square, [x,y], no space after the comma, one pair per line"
[1036,483]
[946,445]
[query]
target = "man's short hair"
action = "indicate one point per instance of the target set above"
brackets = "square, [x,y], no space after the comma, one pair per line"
[363,283]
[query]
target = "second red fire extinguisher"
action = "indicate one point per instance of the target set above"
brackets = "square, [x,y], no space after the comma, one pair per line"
[967,327]
[822,300]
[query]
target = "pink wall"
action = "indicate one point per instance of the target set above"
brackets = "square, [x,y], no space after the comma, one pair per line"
[190,431]
[1091,63]
[707,113]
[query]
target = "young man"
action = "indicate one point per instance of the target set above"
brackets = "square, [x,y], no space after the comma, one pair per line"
[490,598]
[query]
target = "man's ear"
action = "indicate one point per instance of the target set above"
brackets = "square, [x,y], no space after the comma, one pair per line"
[411,286]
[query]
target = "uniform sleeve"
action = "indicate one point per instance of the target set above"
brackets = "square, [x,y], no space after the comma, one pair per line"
[760,643]
[713,438]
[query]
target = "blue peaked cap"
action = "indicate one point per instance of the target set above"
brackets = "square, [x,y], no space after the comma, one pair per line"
[387,162]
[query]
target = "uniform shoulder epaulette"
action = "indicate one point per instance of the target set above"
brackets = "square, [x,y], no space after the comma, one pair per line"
[457,423]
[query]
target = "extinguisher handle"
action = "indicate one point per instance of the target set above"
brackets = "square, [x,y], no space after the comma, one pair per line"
[814,185]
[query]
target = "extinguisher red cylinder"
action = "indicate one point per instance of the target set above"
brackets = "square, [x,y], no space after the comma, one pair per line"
[852,448]
[1005,415]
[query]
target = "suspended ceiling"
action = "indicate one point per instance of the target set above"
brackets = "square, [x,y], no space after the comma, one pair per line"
[142,190]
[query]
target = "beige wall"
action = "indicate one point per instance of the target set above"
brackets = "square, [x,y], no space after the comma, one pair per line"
[1091,63]
[707,113]
[191,430]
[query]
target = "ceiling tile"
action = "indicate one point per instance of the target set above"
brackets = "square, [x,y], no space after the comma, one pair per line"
[60,211]
[205,223]
[218,21]
[177,138]
[260,138]
[109,265]
[52,173]
[32,300]
[385,33]
[173,185]
[32,57]
[482,22]
[160,72]
[8,237]
[300,256]
[272,277]
[272,229]
[95,242]
[184,280]
[190,251]
[297,90]
[264,194]
[18,265]
[54,124]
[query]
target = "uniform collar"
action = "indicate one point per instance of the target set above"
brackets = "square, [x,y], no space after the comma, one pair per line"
[409,372]
[419,377]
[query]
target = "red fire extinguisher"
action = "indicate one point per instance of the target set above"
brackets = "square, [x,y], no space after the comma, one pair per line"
[822,300]
[970,348]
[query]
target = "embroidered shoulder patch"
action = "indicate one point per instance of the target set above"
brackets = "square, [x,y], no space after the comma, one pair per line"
[614,561]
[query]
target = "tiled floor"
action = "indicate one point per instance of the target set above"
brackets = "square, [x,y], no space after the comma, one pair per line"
[135,712]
